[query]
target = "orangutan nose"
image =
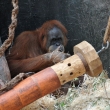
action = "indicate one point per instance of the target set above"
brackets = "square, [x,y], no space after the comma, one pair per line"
[57,44]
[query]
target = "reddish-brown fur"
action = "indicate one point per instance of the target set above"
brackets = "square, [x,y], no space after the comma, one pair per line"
[28,53]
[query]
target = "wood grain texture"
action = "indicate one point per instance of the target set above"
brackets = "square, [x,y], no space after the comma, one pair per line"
[69,69]
[91,56]
[29,90]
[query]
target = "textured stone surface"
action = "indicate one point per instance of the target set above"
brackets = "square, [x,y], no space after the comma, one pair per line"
[4,70]
[84,19]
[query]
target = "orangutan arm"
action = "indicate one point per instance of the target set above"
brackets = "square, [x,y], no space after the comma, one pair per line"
[34,64]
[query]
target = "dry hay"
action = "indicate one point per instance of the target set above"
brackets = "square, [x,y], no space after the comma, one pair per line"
[93,95]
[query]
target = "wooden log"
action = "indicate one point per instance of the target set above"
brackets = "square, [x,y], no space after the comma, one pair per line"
[42,83]
[50,79]
[29,90]
[69,69]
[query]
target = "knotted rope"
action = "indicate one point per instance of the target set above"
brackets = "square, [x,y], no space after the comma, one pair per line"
[107,33]
[12,27]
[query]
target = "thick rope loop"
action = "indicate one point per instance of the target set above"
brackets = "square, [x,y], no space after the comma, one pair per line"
[12,27]
[107,33]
